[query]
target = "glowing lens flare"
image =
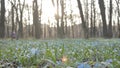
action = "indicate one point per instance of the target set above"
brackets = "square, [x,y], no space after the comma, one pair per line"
[64,59]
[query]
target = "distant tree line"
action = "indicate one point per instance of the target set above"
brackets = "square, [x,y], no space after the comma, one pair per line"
[98,19]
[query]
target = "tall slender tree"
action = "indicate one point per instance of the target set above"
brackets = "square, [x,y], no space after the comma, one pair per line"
[13,25]
[60,22]
[87,14]
[21,8]
[57,18]
[118,15]
[91,20]
[66,22]
[36,20]
[62,19]
[14,11]
[29,29]
[94,19]
[102,10]
[82,19]
[71,20]
[110,21]
[2,19]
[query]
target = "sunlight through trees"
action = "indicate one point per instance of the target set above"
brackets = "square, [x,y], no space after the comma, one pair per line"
[44,19]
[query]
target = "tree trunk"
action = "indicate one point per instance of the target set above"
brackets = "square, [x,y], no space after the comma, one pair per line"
[13,25]
[87,15]
[2,19]
[91,25]
[36,20]
[66,27]
[57,18]
[102,10]
[118,21]
[65,15]
[41,32]
[83,20]
[62,22]
[20,30]
[29,26]
[110,21]
[94,20]
[17,21]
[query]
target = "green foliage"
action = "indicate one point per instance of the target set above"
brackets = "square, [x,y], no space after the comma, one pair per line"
[30,53]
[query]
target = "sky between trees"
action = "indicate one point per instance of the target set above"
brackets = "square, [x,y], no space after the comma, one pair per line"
[49,11]
[61,16]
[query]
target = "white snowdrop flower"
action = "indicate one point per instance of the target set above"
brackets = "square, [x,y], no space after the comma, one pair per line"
[28,55]
[34,51]
[109,61]
[91,51]
[73,53]
[82,50]
[115,50]
[16,48]
[118,62]
[53,50]
[58,62]
[60,49]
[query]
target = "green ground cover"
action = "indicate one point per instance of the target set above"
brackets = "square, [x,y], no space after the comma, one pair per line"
[74,53]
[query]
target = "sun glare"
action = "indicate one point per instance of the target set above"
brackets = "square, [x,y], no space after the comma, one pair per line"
[48,11]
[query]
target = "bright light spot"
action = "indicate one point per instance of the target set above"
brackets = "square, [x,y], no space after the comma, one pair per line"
[64,59]
[48,11]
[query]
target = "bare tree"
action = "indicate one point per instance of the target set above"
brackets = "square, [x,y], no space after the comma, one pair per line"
[86,3]
[66,22]
[29,29]
[13,25]
[82,19]
[102,10]
[13,7]
[94,19]
[21,8]
[62,19]
[57,16]
[7,28]
[91,19]
[2,19]
[118,12]
[110,21]
[36,20]
[71,20]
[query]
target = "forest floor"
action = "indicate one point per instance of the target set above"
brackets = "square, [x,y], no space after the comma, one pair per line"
[61,53]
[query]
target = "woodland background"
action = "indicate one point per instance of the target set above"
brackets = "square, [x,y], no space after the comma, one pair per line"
[88,19]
